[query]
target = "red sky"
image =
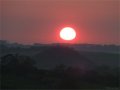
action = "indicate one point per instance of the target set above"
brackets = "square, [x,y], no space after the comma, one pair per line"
[39,21]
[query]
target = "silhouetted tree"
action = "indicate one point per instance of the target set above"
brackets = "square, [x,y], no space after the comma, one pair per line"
[16,63]
[16,70]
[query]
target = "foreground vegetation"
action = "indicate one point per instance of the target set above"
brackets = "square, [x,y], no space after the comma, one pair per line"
[19,72]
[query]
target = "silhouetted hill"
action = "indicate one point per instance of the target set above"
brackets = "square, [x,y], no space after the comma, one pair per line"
[56,55]
[18,71]
[100,55]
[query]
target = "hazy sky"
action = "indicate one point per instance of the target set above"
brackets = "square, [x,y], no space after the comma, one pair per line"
[30,21]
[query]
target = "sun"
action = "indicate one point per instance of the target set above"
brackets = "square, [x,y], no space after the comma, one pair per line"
[67,33]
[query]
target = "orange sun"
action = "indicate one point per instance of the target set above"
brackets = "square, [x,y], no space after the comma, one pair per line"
[67,33]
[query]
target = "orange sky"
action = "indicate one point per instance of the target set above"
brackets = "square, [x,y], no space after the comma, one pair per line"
[39,21]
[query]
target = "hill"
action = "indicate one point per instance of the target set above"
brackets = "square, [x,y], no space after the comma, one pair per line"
[56,55]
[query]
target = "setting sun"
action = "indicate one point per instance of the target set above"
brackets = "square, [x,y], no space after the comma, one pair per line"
[67,33]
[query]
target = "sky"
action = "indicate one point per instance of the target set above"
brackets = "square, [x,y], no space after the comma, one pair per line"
[40,21]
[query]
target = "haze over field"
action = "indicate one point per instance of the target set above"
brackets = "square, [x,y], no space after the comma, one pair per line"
[103,55]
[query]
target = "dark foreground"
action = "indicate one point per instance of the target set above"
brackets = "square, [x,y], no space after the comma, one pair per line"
[20,72]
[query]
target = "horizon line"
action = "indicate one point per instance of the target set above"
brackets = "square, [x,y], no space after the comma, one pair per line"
[12,42]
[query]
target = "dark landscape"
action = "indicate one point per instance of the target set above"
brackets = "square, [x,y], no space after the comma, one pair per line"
[58,66]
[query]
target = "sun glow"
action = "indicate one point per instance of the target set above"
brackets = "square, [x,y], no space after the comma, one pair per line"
[67,33]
